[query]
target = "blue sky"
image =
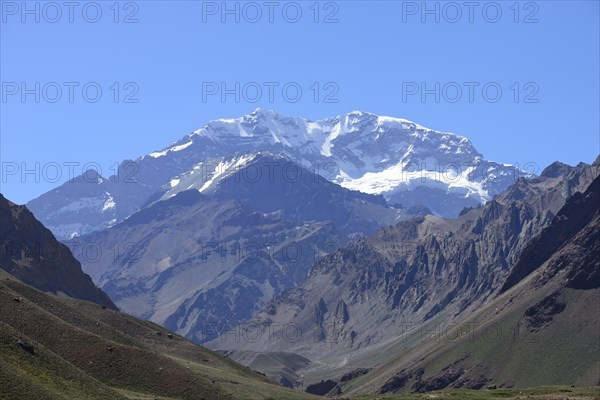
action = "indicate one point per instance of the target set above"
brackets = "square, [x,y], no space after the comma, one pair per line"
[377,57]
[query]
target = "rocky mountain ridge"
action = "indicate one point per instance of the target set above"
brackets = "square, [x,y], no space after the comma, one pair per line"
[405,162]
[422,271]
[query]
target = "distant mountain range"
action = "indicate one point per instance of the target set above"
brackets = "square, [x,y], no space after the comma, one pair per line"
[213,250]
[192,261]
[406,163]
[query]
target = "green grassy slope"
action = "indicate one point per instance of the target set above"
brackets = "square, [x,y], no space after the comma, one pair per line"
[84,351]
[539,393]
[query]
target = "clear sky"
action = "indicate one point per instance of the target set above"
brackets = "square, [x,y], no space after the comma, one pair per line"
[159,65]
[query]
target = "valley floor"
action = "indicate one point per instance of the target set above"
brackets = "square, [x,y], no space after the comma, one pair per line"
[541,393]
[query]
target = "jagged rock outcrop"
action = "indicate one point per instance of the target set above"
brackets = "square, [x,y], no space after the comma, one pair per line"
[424,270]
[545,317]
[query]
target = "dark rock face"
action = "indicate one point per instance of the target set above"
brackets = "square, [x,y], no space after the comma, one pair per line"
[354,374]
[283,381]
[397,383]
[543,312]
[587,277]
[585,271]
[442,381]
[26,346]
[451,376]
[321,388]
[320,310]
[30,252]
[577,213]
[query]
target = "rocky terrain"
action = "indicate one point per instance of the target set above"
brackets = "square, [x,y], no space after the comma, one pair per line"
[425,273]
[196,264]
[541,328]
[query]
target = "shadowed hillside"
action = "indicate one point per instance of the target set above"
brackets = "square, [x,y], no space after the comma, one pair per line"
[30,252]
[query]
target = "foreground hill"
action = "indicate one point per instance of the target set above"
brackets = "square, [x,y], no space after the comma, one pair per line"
[61,348]
[30,252]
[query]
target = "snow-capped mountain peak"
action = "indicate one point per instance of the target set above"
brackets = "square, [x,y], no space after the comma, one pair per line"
[405,162]
[367,152]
